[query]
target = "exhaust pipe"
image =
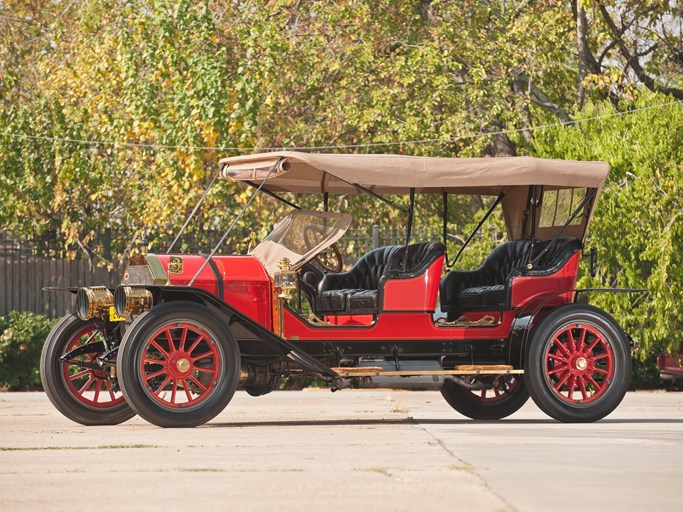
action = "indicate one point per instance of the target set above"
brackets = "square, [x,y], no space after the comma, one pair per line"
[93,302]
[132,301]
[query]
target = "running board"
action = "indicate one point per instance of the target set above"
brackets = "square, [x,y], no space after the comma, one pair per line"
[469,369]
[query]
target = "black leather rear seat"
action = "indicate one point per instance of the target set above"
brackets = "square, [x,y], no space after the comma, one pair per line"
[485,287]
[357,290]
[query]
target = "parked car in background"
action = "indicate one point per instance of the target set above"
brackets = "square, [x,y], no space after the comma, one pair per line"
[670,368]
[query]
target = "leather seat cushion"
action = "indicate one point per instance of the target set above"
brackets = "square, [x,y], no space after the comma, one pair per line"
[352,301]
[332,300]
[479,296]
[361,300]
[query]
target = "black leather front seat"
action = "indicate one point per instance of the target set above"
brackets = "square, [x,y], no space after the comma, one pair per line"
[357,290]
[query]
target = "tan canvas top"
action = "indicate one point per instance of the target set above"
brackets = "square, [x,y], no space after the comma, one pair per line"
[396,174]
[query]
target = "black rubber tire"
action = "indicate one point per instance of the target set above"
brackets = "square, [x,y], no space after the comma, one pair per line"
[539,384]
[56,388]
[468,404]
[133,346]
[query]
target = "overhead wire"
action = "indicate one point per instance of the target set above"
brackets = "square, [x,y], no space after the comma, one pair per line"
[448,139]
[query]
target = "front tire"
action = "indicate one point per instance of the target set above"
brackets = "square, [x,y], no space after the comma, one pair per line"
[179,364]
[578,365]
[498,402]
[80,392]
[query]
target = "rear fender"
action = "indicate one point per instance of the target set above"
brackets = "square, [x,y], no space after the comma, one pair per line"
[532,313]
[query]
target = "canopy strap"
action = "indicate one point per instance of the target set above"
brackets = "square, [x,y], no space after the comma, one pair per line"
[381,198]
[476,229]
[273,195]
[234,223]
[411,212]
[326,201]
[201,200]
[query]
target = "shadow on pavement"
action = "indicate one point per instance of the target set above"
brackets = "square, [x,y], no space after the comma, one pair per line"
[423,421]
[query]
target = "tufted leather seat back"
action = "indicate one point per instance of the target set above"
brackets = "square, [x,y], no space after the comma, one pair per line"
[498,266]
[420,256]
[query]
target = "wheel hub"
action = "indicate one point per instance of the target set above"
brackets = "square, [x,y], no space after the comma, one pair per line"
[581,363]
[182,365]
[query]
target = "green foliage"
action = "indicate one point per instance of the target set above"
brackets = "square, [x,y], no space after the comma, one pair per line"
[638,224]
[237,75]
[21,340]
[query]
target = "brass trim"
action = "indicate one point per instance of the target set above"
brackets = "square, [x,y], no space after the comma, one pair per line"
[360,372]
[175,265]
[463,321]
[157,269]
[132,301]
[93,302]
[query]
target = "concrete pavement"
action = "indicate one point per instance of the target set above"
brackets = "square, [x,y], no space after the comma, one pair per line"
[374,450]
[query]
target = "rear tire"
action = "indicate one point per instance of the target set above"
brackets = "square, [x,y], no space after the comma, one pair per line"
[491,404]
[180,365]
[578,364]
[83,395]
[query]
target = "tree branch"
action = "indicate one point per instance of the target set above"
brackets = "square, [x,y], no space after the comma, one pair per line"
[633,62]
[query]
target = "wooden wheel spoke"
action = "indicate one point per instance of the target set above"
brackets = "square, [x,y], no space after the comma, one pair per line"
[78,375]
[158,347]
[156,374]
[183,337]
[163,385]
[202,356]
[194,345]
[198,383]
[561,346]
[86,385]
[187,390]
[169,337]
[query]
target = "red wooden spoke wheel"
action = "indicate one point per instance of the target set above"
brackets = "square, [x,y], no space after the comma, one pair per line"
[578,364]
[179,365]
[505,396]
[88,385]
[77,386]
[498,393]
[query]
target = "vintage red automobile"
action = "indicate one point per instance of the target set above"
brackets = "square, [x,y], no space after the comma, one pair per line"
[174,341]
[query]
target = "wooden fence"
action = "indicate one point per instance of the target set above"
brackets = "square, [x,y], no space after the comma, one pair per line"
[26,268]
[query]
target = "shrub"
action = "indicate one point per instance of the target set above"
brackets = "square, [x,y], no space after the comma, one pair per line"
[21,339]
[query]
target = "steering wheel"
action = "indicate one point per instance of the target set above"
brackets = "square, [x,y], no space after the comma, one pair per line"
[329,259]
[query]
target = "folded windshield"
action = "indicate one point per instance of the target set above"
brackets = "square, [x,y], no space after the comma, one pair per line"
[299,236]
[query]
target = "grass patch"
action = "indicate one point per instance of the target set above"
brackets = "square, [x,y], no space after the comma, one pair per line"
[468,468]
[382,471]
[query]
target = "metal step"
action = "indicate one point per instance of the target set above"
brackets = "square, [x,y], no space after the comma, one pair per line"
[373,371]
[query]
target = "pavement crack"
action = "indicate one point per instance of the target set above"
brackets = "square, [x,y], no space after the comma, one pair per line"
[463,465]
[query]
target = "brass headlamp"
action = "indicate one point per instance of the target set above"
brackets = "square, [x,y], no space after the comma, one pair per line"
[93,302]
[285,281]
